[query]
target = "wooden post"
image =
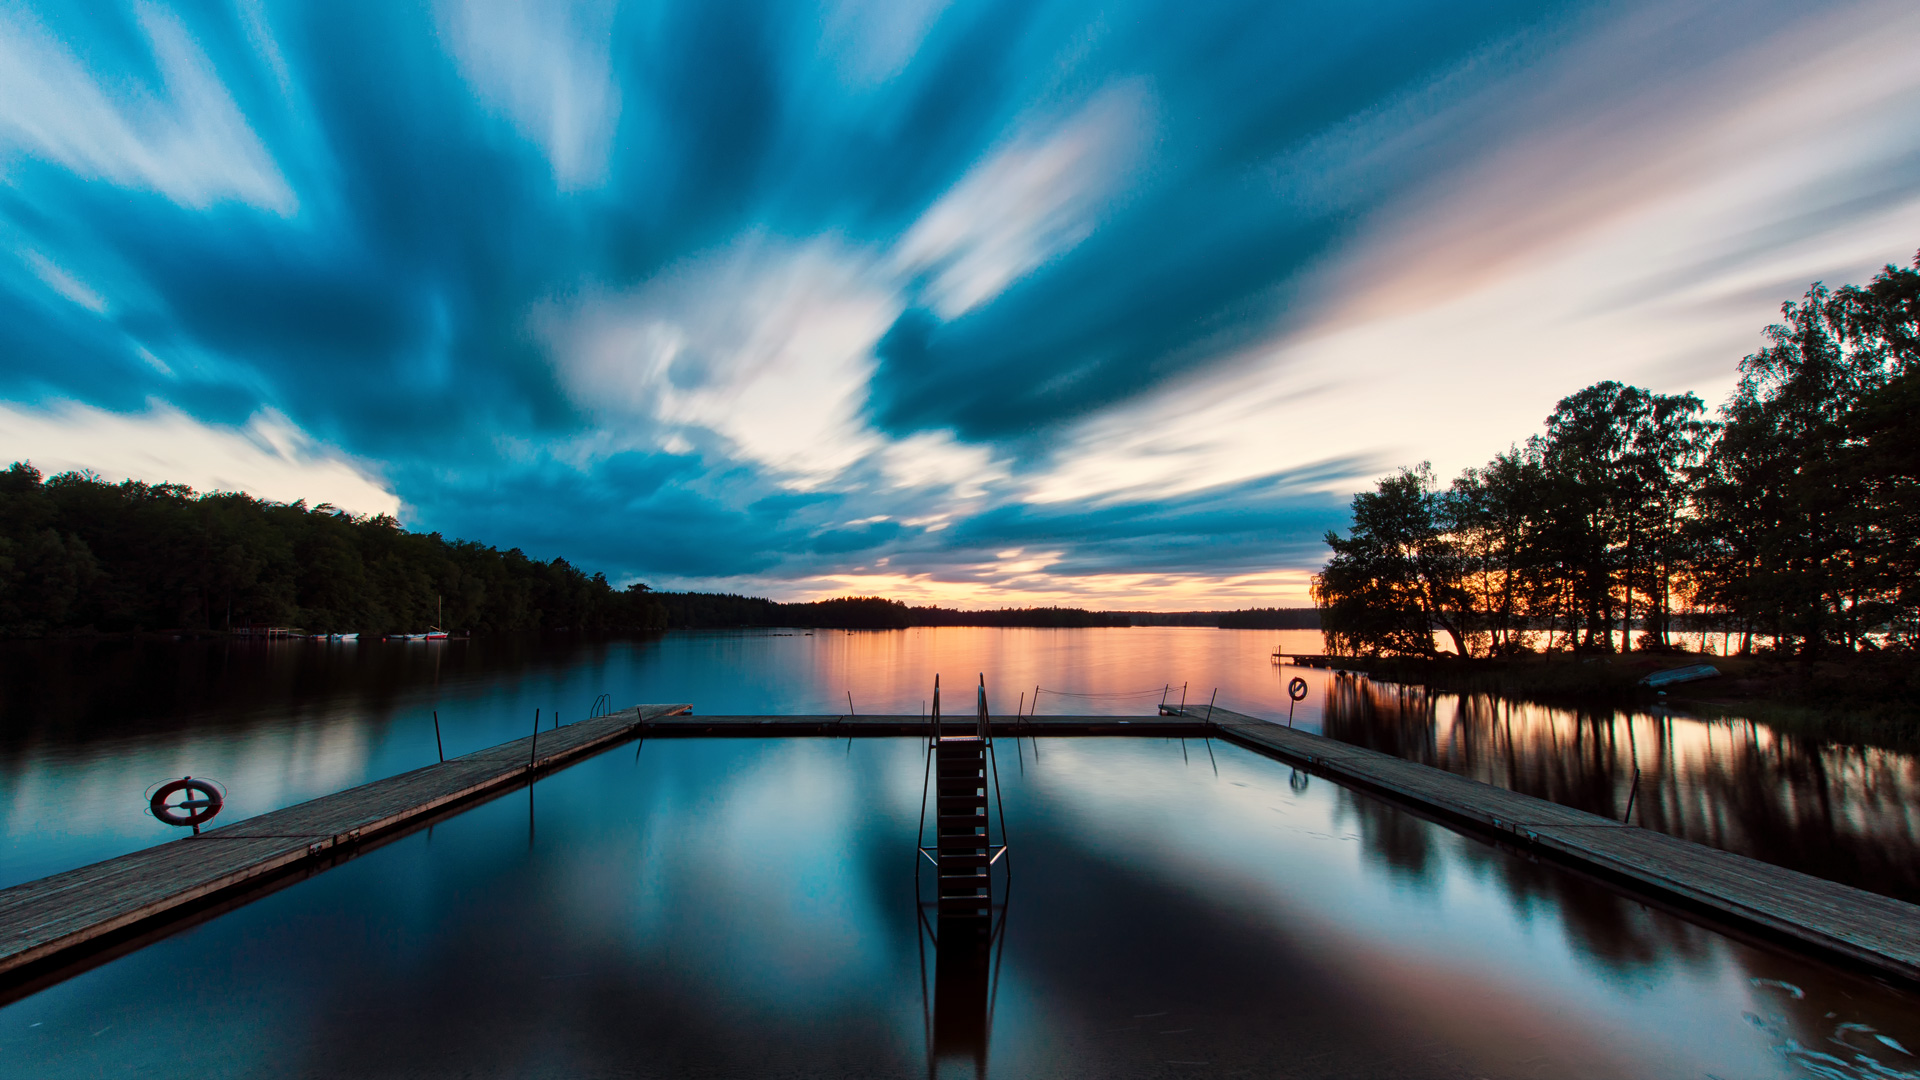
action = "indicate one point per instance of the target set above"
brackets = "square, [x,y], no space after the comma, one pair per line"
[437,745]
[535,748]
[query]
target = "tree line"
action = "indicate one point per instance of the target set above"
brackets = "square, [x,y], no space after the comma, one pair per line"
[1791,519]
[714,610]
[81,555]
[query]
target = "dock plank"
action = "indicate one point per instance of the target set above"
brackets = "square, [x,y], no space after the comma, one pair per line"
[1863,928]
[41,919]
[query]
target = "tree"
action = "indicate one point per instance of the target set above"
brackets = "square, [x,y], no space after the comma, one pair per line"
[1396,578]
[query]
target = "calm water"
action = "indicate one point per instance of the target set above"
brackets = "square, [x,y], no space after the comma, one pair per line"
[85,729]
[746,908]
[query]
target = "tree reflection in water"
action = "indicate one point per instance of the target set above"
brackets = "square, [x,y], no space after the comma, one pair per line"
[1846,813]
[1819,1024]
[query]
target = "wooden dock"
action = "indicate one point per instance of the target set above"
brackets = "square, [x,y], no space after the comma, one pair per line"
[42,922]
[908,724]
[1311,660]
[1859,928]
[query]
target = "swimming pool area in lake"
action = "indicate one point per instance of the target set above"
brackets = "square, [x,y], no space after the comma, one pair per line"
[747,907]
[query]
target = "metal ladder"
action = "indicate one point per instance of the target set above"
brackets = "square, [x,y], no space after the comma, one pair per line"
[965,778]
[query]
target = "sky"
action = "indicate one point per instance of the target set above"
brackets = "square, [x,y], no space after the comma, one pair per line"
[971,303]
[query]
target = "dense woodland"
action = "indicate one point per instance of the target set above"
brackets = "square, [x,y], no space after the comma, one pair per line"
[78,555]
[1790,521]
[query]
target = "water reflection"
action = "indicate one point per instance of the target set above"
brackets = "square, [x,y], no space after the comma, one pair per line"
[85,728]
[743,907]
[1847,813]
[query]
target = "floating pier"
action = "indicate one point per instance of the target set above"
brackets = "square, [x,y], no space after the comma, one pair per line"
[1178,726]
[43,922]
[50,925]
[1859,928]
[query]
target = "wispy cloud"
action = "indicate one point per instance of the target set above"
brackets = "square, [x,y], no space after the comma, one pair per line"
[267,456]
[172,128]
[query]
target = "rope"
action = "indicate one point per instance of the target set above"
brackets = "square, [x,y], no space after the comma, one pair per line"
[1123,693]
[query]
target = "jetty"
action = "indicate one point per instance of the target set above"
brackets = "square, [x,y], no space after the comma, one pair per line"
[1178,725]
[52,927]
[1859,929]
[46,922]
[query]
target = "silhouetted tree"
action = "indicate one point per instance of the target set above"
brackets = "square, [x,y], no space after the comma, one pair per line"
[1795,516]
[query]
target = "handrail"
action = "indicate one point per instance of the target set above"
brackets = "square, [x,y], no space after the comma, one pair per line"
[933,727]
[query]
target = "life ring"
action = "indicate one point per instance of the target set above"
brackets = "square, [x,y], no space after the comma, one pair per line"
[203,801]
[1297,689]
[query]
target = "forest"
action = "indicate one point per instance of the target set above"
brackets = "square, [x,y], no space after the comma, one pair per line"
[1789,522]
[78,554]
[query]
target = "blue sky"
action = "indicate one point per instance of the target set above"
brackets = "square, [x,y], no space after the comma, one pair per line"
[970,302]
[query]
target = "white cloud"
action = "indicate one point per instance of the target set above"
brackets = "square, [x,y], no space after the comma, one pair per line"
[1032,200]
[872,41]
[548,66]
[270,458]
[768,345]
[64,283]
[935,459]
[184,138]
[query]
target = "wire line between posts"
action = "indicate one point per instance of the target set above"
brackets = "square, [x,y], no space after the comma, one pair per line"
[1038,690]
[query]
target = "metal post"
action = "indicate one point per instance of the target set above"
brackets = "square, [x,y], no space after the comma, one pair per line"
[1210,701]
[437,745]
[534,750]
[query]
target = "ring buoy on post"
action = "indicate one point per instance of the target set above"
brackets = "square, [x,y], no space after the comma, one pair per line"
[203,801]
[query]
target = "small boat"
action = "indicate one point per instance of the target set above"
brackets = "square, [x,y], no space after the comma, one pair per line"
[345,637]
[1692,673]
[434,633]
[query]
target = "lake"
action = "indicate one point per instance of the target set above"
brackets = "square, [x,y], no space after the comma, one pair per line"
[86,728]
[747,907]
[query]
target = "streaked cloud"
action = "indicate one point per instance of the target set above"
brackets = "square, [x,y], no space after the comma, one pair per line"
[549,68]
[1035,302]
[162,120]
[268,456]
[1025,204]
